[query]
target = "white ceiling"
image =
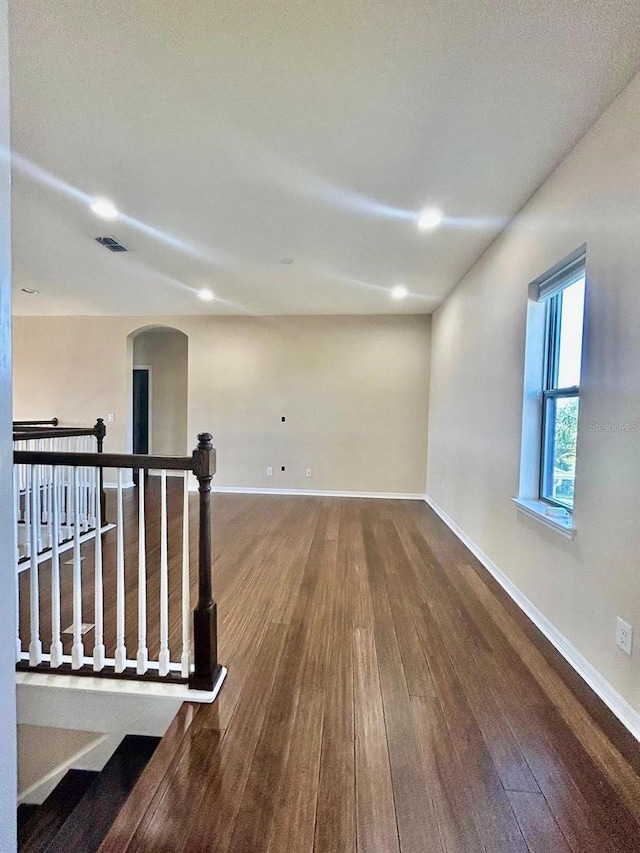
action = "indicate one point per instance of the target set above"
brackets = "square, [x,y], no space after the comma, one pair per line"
[234,134]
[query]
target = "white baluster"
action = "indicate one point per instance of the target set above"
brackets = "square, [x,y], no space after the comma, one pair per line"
[163,658]
[142,657]
[93,491]
[46,505]
[63,494]
[61,502]
[35,484]
[35,646]
[16,509]
[81,492]
[23,489]
[43,500]
[49,470]
[16,492]
[37,520]
[54,523]
[121,651]
[27,510]
[77,650]
[98,649]
[185,658]
[50,499]
[85,498]
[71,502]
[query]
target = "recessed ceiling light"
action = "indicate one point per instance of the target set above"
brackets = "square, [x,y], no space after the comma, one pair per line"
[206,295]
[104,208]
[30,291]
[399,291]
[430,218]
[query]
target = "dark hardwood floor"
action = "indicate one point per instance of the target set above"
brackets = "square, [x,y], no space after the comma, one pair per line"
[383,695]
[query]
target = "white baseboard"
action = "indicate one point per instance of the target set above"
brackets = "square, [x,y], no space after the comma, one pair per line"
[259,490]
[320,493]
[628,716]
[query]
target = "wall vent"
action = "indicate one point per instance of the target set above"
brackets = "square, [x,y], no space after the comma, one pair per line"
[111,244]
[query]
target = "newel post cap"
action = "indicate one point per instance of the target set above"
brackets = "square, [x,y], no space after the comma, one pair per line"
[204,441]
[205,456]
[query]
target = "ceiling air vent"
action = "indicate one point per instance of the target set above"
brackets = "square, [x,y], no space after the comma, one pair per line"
[111,244]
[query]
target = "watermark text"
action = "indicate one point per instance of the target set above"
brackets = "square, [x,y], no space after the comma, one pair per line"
[614,426]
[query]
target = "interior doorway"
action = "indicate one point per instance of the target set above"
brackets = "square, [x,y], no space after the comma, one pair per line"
[159,404]
[141,409]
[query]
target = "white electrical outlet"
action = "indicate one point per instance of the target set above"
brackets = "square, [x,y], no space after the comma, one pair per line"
[308,474]
[269,472]
[111,417]
[624,635]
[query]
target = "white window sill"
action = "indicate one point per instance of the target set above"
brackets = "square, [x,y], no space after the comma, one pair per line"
[538,510]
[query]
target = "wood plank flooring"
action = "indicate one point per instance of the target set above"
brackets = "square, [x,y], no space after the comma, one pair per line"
[383,695]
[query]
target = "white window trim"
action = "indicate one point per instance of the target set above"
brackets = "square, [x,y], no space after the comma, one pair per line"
[528,500]
[540,512]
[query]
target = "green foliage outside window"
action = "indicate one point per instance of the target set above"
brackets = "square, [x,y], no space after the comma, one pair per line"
[566,435]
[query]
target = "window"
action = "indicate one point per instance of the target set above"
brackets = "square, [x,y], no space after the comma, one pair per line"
[553,361]
[561,390]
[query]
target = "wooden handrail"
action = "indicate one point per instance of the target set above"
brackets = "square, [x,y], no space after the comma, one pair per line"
[25,431]
[105,460]
[19,424]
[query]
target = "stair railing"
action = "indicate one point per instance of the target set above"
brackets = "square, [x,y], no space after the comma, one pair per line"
[34,530]
[198,660]
[53,422]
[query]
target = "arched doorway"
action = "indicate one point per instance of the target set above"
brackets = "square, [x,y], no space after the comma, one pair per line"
[159,402]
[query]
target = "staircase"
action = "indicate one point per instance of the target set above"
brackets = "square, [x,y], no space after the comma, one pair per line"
[78,813]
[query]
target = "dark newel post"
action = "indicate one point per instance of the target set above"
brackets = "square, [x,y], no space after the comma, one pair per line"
[100,431]
[205,622]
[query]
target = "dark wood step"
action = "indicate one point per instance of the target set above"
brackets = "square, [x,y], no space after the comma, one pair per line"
[42,826]
[89,822]
[25,813]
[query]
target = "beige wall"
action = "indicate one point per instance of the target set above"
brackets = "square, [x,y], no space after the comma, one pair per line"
[354,392]
[166,353]
[477,386]
[42,750]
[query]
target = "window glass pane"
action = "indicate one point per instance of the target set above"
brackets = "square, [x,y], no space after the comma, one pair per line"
[560,450]
[570,344]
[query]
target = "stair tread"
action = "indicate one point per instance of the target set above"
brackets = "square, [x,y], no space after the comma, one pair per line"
[46,820]
[25,812]
[85,828]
